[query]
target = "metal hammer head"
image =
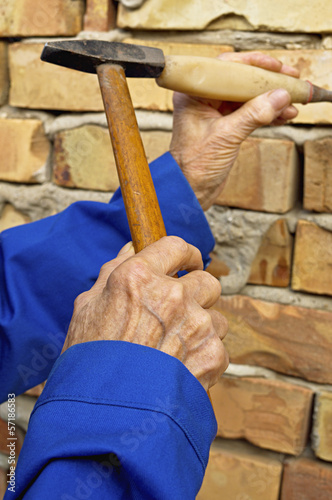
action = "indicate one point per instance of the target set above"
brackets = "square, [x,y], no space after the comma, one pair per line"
[86,55]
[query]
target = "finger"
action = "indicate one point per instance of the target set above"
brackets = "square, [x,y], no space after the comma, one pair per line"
[262,110]
[170,255]
[125,253]
[264,61]
[219,322]
[204,288]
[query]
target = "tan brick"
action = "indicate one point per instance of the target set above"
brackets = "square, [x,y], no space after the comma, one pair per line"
[288,339]
[318,175]
[41,17]
[315,66]
[238,471]
[10,217]
[260,15]
[264,177]
[268,413]
[37,84]
[217,267]
[145,92]
[306,479]
[312,259]
[272,263]
[100,15]
[24,150]
[4,76]
[322,430]
[84,157]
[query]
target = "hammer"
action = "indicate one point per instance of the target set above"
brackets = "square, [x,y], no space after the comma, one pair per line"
[198,76]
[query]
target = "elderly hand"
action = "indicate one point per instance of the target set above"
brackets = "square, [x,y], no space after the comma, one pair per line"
[137,299]
[207,134]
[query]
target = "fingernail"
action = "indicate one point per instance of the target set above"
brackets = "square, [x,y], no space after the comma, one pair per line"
[279,98]
[129,247]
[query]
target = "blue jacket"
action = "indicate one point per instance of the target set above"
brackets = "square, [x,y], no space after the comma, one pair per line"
[115,420]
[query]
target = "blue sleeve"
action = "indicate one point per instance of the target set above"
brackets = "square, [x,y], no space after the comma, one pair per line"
[116,421]
[46,264]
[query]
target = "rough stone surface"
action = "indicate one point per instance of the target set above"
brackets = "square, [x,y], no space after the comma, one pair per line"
[272,264]
[322,430]
[288,339]
[236,15]
[238,235]
[41,17]
[4,76]
[240,40]
[264,177]
[37,84]
[268,413]
[24,151]
[318,175]
[306,479]
[312,259]
[10,217]
[288,297]
[100,15]
[144,91]
[84,157]
[43,200]
[238,471]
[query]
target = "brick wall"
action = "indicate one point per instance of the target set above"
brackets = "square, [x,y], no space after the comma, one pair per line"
[272,223]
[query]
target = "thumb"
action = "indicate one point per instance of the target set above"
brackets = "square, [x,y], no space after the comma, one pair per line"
[261,110]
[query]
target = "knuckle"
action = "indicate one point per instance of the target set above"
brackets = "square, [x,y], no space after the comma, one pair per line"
[177,243]
[80,301]
[130,274]
[176,294]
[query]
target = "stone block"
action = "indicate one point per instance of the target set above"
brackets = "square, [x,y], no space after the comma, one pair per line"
[10,217]
[145,92]
[318,175]
[238,471]
[312,259]
[24,150]
[272,263]
[217,267]
[41,18]
[264,177]
[261,15]
[322,430]
[100,15]
[269,413]
[306,479]
[288,339]
[4,76]
[83,157]
[315,66]
[40,85]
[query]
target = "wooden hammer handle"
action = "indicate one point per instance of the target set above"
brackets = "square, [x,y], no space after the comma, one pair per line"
[141,203]
[144,216]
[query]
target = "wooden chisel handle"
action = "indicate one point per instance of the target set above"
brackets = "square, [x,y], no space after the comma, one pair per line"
[232,81]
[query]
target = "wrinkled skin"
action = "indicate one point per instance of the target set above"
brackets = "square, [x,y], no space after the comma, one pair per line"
[207,134]
[137,299]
